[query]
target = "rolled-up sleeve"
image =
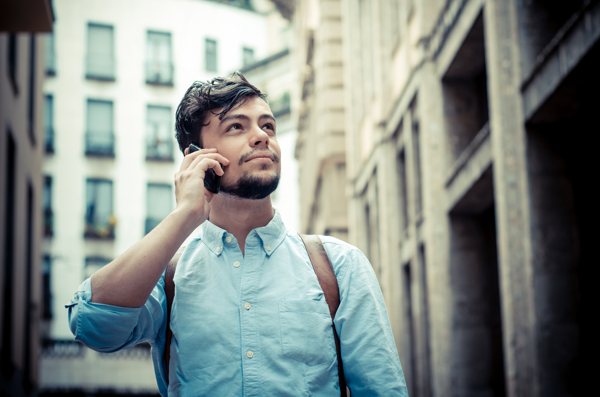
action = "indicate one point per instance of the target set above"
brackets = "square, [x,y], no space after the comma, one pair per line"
[107,328]
[371,363]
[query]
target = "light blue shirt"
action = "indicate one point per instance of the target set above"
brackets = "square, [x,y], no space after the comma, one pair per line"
[255,324]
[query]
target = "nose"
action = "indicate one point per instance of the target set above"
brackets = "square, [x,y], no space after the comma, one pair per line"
[259,137]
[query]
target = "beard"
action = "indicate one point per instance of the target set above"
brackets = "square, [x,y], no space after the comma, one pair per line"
[251,187]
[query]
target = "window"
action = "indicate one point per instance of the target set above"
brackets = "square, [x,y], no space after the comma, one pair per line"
[99,219]
[211,55]
[159,204]
[93,264]
[100,52]
[99,136]
[159,143]
[48,215]
[49,124]
[50,55]
[159,68]
[47,287]
[248,56]
[281,106]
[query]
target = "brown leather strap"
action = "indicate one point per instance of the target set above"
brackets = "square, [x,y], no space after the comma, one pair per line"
[328,281]
[170,293]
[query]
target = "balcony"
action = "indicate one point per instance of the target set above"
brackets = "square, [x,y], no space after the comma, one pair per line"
[159,150]
[48,222]
[100,144]
[159,73]
[49,140]
[103,229]
[100,68]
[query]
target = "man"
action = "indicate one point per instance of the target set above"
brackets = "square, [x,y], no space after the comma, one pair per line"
[249,317]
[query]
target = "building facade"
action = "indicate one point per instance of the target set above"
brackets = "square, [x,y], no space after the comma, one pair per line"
[21,142]
[446,139]
[116,72]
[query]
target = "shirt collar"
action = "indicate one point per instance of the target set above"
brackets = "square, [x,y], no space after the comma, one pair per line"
[271,235]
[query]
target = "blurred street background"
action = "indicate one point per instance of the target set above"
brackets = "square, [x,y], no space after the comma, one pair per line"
[447,139]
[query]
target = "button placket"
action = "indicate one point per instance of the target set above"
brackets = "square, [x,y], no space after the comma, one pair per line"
[249,323]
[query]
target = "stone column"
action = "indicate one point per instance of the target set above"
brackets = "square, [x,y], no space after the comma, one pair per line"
[510,187]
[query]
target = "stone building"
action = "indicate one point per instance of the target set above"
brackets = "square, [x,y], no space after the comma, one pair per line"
[21,141]
[447,140]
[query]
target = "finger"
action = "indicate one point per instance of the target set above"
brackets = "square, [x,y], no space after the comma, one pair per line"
[189,158]
[212,156]
[207,163]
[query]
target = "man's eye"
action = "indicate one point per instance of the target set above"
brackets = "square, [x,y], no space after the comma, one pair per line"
[269,126]
[234,127]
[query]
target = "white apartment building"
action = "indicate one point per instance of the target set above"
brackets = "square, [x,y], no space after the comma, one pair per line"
[116,73]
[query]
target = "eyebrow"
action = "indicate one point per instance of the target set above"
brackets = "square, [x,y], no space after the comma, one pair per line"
[244,117]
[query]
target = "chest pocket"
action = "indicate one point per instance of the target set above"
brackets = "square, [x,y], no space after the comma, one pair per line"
[306,333]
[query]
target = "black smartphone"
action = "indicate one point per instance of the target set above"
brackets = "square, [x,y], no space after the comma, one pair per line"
[212,181]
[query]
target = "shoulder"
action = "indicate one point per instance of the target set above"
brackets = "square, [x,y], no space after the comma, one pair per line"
[343,256]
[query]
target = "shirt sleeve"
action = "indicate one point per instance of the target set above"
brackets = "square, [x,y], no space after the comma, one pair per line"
[371,363]
[107,328]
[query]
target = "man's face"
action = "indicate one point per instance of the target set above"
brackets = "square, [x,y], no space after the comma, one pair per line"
[246,136]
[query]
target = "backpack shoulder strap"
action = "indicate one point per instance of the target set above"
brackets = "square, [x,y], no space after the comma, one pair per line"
[170,293]
[328,282]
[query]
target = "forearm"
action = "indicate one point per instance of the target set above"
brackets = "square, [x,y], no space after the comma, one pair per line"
[129,279]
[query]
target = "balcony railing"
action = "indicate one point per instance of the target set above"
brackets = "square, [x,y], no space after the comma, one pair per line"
[48,222]
[52,348]
[100,68]
[159,73]
[157,150]
[100,144]
[103,228]
[49,140]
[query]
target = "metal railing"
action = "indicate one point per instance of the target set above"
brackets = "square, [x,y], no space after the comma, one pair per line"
[159,73]
[100,144]
[100,68]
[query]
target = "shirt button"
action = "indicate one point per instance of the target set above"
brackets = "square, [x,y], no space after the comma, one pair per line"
[268,247]
[228,239]
[236,264]
[249,354]
[218,249]
[247,306]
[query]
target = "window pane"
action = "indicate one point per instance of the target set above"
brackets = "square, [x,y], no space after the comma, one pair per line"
[100,62]
[50,54]
[159,69]
[47,287]
[159,141]
[49,124]
[158,204]
[99,220]
[211,55]
[47,203]
[99,134]
[248,56]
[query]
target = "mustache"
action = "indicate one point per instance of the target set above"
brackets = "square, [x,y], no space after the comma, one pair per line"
[252,153]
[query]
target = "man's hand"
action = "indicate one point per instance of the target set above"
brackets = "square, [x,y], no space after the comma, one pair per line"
[191,195]
[129,279]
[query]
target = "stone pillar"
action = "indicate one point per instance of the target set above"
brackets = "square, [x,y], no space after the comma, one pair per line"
[510,187]
[437,229]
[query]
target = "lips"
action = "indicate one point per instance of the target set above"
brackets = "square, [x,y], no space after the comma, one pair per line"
[261,156]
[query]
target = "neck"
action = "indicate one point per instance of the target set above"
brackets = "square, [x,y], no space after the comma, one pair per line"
[239,216]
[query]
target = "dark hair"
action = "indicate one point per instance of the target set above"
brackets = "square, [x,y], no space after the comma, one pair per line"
[202,97]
